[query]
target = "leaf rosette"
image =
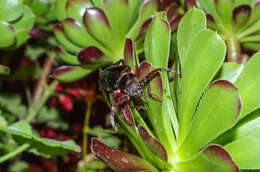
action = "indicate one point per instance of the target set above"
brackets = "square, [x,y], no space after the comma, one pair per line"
[207,119]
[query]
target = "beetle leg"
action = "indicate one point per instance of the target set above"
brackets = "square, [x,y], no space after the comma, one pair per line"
[112,118]
[155,72]
[139,107]
[151,94]
[122,99]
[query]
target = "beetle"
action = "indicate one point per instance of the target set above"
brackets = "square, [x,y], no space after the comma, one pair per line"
[122,85]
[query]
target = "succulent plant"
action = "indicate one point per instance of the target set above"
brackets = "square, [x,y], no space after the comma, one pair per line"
[93,33]
[237,22]
[16,20]
[208,118]
[44,12]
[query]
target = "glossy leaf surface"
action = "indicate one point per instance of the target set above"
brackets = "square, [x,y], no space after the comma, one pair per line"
[243,142]
[204,57]
[118,160]
[230,71]
[10,10]
[213,158]
[8,36]
[218,111]
[190,25]
[248,85]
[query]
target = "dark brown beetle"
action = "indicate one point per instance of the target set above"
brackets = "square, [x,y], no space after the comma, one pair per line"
[118,81]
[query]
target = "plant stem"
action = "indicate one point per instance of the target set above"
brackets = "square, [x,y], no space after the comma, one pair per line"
[233,49]
[33,110]
[86,126]
[13,153]
[42,82]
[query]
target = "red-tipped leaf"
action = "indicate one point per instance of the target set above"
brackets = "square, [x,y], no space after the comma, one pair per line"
[120,161]
[154,144]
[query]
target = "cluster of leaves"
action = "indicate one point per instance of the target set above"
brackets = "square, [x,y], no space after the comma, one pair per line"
[198,124]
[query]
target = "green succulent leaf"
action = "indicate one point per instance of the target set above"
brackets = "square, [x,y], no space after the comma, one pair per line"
[8,35]
[230,71]
[193,22]
[157,47]
[76,9]
[66,57]
[225,9]
[60,9]
[204,57]
[64,41]
[147,9]
[77,33]
[244,2]
[210,7]
[213,158]
[73,73]
[242,141]
[10,10]
[212,117]
[117,12]
[25,22]
[98,26]
[248,84]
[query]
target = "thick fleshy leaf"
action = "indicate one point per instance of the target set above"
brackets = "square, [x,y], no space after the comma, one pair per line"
[225,9]
[230,71]
[78,35]
[210,7]
[154,144]
[118,160]
[73,73]
[157,36]
[92,55]
[191,24]
[255,13]
[241,15]
[8,36]
[66,57]
[248,85]
[76,9]
[4,70]
[213,158]
[10,10]
[205,56]
[218,111]
[157,47]
[63,40]
[60,9]
[243,142]
[129,56]
[159,117]
[252,45]
[117,12]
[245,2]
[144,28]
[40,7]
[148,8]
[25,22]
